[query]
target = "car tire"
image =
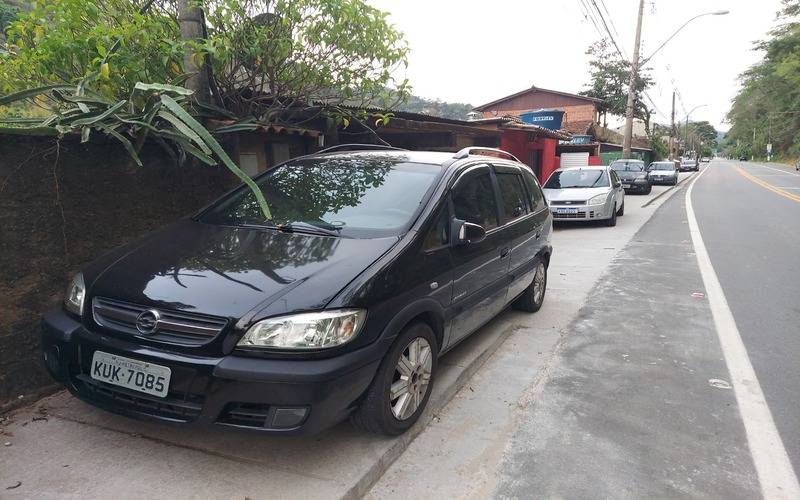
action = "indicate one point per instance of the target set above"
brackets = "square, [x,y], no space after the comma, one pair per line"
[612,221]
[621,210]
[376,413]
[532,298]
[649,189]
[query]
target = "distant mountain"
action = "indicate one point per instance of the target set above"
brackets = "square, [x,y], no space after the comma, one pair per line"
[436,107]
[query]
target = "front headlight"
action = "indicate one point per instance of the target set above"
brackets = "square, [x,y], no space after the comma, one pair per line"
[598,200]
[316,330]
[76,291]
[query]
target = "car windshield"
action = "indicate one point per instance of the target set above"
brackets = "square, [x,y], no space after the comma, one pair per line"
[662,166]
[367,196]
[687,160]
[579,178]
[628,166]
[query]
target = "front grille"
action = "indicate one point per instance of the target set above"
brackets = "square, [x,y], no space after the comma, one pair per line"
[173,326]
[180,410]
[577,215]
[568,202]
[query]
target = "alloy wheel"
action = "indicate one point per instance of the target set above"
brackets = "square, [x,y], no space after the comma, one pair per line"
[412,375]
[538,283]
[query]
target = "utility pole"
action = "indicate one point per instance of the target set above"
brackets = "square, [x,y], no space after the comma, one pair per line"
[672,130]
[626,140]
[190,21]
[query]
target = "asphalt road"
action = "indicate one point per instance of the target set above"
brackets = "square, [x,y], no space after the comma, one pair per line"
[749,215]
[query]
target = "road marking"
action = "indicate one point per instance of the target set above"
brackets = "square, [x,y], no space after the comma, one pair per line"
[775,473]
[789,172]
[767,185]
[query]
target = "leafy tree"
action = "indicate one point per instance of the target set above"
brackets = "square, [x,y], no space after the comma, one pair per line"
[273,58]
[609,75]
[63,41]
[767,107]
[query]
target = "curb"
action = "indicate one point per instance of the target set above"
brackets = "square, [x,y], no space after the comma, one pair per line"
[649,202]
[384,461]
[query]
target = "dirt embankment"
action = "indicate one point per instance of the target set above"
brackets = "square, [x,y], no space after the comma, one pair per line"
[61,205]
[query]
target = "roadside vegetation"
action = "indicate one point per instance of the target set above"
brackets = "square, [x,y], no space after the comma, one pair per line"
[767,107]
[119,68]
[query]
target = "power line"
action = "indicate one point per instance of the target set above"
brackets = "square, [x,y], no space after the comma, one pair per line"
[587,14]
[605,25]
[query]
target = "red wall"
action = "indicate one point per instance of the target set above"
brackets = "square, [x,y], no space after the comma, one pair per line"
[516,142]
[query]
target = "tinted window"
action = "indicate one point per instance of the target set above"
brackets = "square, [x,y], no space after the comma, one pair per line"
[627,166]
[537,197]
[438,233]
[362,196]
[513,194]
[474,201]
[578,178]
[662,166]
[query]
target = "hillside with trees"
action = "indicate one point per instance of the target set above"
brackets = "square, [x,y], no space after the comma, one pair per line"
[767,107]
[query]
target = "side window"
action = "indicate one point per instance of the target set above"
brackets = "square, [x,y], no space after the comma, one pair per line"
[438,233]
[537,197]
[514,196]
[614,178]
[474,201]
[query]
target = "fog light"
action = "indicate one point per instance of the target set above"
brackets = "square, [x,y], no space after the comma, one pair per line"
[288,417]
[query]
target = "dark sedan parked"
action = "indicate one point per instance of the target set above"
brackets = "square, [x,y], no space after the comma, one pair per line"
[633,176]
[372,265]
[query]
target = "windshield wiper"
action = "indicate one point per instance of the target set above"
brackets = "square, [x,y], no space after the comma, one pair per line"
[308,228]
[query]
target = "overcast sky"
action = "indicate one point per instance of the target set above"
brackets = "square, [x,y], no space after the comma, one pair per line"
[476,51]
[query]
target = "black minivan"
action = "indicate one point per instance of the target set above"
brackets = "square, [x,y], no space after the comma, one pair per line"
[375,262]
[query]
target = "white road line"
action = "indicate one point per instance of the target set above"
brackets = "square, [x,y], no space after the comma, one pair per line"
[788,172]
[775,474]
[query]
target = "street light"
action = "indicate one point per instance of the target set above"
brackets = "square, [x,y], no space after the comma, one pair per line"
[635,63]
[715,13]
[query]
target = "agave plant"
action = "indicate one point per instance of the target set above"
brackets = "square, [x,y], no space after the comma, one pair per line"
[153,110]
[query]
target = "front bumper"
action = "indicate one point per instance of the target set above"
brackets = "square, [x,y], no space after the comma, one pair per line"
[581,213]
[282,396]
[639,185]
[664,179]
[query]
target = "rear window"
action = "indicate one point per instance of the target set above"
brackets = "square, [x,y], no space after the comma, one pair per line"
[357,196]
[662,166]
[627,166]
[578,178]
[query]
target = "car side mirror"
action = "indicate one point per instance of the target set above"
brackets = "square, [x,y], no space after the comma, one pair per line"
[466,232]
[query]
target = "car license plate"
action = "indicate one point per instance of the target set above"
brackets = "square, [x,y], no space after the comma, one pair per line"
[131,373]
[567,210]
[626,186]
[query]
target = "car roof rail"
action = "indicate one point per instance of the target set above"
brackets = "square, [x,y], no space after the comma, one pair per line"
[359,147]
[469,151]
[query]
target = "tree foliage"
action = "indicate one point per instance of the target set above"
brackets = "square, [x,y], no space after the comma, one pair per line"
[609,76]
[768,101]
[63,41]
[271,59]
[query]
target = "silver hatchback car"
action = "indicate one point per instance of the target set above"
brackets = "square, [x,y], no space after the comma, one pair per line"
[585,193]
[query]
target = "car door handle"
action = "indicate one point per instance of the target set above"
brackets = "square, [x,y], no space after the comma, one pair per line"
[504,252]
